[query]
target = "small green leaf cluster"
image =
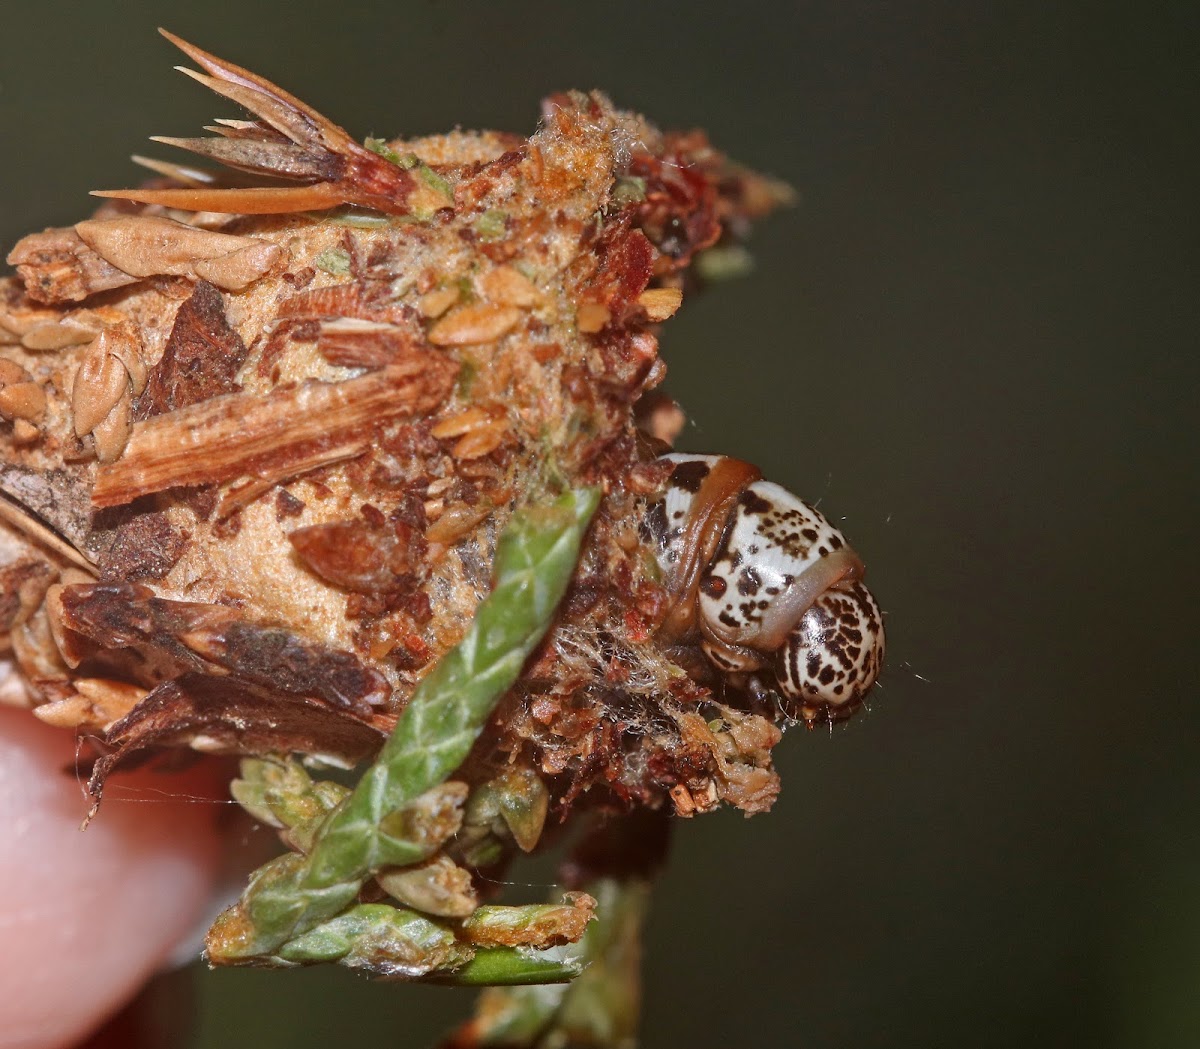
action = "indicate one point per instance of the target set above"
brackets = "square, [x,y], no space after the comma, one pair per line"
[307,906]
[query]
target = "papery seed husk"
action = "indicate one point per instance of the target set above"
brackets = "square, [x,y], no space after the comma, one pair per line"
[481,441]
[111,433]
[433,304]
[592,317]
[71,712]
[36,653]
[101,382]
[146,245]
[23,400]
[475,325]
[71,648]
[455,523]
[25,433]
[129,353]
[56,336]
[462,422]
[509,287]
[235,271]
[98,703]
[660,303]
[12,372]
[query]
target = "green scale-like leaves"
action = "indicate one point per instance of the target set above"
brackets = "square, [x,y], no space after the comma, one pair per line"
[402,811]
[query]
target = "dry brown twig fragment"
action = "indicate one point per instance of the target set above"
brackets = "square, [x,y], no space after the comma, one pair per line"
[269,437]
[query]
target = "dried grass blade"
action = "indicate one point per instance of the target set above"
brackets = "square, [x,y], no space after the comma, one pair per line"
[281,117]
[286,107]
[243,494]
[13,513]
[258,200]
[184,173]
[362,177]
[264,158]
[245,129]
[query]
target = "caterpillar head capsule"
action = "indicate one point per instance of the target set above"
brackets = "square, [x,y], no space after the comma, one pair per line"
[765,583]
[831,658]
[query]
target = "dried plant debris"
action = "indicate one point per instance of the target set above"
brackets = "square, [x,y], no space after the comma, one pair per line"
[268,429]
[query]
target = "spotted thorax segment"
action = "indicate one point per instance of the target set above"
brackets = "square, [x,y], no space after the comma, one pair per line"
[762,580]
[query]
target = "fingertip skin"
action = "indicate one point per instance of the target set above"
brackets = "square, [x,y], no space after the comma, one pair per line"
[87,916]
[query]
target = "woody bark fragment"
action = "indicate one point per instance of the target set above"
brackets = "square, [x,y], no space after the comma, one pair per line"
[231,717]
[201,360]
[57,266]
[268,436]
[191,636]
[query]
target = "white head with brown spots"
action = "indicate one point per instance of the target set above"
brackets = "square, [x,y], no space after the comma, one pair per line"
[766,584]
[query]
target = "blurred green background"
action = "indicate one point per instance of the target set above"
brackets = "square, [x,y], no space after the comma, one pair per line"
[974,341]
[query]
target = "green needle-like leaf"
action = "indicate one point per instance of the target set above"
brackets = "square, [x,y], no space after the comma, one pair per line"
[516,967]
[380,940]
[534,925]
[535,558]
[600,1008]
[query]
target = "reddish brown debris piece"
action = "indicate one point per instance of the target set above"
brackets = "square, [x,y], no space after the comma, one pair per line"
[260,431]
[287,140]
